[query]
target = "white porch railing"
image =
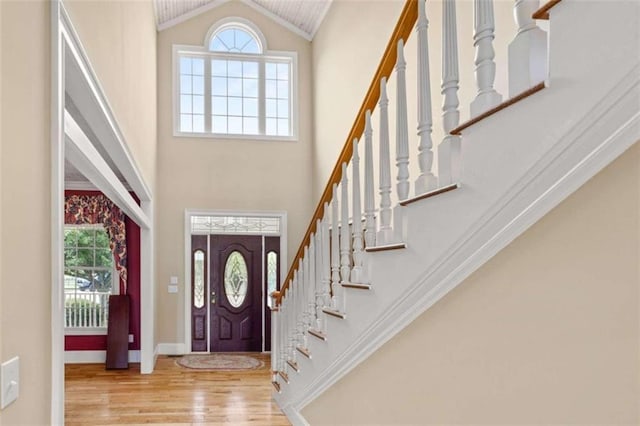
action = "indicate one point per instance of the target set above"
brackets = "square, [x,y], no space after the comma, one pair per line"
[85,309]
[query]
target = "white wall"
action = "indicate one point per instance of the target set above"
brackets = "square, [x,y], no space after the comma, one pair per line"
[224,174]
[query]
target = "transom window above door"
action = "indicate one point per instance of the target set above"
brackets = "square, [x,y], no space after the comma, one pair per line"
[233,87]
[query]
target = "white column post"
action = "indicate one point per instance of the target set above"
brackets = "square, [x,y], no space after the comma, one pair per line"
[528,49]
[426,181]
[385,234]
[484,33]
[336,288]
[358,255]
[402,131]
[369,200]
[449,155]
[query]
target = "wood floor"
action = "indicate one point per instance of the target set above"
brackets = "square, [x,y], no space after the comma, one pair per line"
[171,395]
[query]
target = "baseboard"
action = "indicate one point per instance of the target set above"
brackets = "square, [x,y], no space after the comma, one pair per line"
[94,357]
[294,416]
[170,349]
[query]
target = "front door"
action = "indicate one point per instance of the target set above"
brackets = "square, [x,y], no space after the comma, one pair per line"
[235,293]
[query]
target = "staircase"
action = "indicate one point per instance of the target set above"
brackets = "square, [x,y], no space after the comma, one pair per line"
[377,254]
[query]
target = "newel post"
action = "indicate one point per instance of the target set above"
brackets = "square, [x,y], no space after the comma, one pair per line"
[528,49]
[484,33]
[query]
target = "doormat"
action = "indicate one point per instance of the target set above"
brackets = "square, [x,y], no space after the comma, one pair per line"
[220,362]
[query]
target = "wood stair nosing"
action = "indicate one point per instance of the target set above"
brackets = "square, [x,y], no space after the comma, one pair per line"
[293,365]
[319,334]
[284,376]
[430,194]
[386,247]
[358,286]
[277,386]
[334,313]
[304,351]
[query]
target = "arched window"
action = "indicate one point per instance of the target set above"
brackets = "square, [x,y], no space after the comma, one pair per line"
[232,86]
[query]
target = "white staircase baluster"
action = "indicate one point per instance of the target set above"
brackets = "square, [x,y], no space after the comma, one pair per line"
[345,234]
[484,33]
[301,304]
[335,252]
[528,49]
[369,200]
[311,282]
[326,267]
[426,181]
[306,289]
[358,255]
[385,234]
[319,299]
[449,160]
[402,132]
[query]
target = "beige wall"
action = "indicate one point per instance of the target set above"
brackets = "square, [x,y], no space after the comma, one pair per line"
[346,52]
[119,38]
[546,332]
[25,312]
[206,173]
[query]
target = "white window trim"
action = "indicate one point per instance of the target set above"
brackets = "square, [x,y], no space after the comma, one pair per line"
[115,289]
[275,55]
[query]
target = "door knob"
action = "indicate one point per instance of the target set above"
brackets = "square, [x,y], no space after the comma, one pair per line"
[213,297]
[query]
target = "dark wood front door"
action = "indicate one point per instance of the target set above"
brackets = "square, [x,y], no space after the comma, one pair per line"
[236,293]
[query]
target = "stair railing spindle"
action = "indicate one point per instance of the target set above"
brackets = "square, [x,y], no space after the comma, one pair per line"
[385,234]
[326,268]
[358,255]
[528,49]
[335,251]
[369,200]
[484,33]
[402,131]
[449,160]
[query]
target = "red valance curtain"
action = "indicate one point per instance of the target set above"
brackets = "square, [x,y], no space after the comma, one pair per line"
[94,209]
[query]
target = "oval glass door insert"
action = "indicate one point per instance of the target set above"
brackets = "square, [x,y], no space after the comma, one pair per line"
[235,279]
[198,279]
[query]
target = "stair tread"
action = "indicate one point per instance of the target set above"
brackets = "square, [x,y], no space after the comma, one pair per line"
[276,385]
[317,333]
[284,376]
[458,130]
[394,246]
[429,194]
[334,313]
[304,351]
[356,285]
[293,365]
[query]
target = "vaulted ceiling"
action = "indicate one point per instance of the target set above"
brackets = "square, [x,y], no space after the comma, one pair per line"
[302,16]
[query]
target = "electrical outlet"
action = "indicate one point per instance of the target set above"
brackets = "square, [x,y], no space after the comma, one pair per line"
[9,381]
[131,338]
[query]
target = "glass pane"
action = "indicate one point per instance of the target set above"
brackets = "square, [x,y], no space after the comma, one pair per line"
[283,71]
[236,280]
[251,47]
[235,69]
[185,104]
[86,237]
[219,86]
[198,123]
[219,105]
[235,106]
[70,257]
[242,38]
[219,124]
[185,84]
[271,126]
[217,45]
[198,279]
[250,69]
[270,70]
[283,127]
[104,257]
[250,87]
[85,257]
[250,108]
[250,126]
[198,85]
[283,109]
[270,89]
[102,281]
[235,87]
[227,38]
[198,104]
[270,105]
[70,237]
[197,66]
[235,125]
[102,239]
[185,123]
[272,277]
[185,65]
[219,68]
[283,89]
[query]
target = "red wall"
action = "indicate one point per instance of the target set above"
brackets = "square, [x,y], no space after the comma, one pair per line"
[99,342]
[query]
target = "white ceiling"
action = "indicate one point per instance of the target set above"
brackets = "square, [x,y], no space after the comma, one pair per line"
[302,16]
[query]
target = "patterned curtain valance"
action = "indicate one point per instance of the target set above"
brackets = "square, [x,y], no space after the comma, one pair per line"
[94,209]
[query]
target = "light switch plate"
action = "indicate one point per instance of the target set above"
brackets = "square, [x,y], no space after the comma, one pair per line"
[9,381]
[174,280]
[173,289]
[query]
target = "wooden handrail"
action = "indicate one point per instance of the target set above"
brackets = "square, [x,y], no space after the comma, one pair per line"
[407,20]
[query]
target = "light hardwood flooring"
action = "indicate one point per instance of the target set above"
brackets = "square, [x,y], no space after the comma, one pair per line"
[171,395]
